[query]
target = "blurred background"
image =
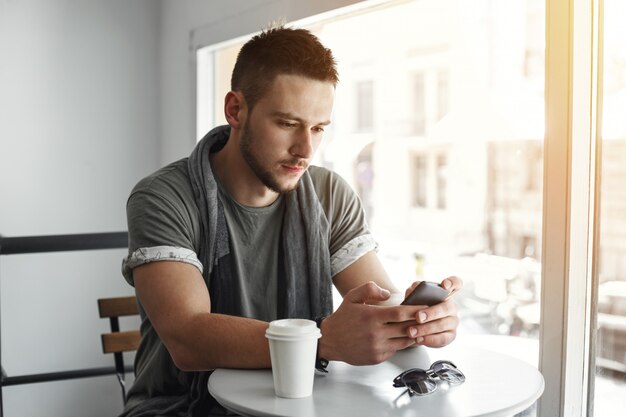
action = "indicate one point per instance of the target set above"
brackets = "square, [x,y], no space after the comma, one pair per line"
[439,126]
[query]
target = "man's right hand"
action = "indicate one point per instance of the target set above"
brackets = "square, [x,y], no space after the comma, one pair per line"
[360,333]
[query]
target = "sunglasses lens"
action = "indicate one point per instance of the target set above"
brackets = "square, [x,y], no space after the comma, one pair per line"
[421,382]
[422,387]
[418,382]
[414,375]
[448,372]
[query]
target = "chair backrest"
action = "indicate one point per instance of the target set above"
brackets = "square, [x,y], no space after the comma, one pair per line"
[116,341]
[113,308]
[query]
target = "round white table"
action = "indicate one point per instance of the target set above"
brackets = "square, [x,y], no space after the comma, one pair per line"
[496,385]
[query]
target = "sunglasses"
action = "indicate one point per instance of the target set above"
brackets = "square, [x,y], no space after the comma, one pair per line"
[422,382]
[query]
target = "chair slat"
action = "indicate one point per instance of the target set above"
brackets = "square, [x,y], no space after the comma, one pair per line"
[120,341]
[119,306]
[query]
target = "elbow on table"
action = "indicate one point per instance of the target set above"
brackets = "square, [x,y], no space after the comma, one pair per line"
[187,360]
[183,362]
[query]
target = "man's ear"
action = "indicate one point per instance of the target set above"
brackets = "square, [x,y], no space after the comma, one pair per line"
[235,109]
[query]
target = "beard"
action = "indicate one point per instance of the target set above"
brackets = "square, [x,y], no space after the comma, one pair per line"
[262,173]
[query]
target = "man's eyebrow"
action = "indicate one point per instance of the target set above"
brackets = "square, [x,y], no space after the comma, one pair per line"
[291,116]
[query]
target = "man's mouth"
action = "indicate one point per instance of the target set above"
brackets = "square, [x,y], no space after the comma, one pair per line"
[294,167]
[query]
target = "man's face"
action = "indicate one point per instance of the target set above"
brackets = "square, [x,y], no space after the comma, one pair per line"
[280,136]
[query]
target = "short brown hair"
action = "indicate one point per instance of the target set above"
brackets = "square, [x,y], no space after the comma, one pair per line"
[280,50]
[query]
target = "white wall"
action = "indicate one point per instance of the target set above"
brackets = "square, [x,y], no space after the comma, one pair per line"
[94,94]
[79,103]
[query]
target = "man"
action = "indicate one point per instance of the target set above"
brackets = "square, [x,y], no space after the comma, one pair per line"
[244,232]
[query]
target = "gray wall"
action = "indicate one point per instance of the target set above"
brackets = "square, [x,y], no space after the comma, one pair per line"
[94,94]
[79,124]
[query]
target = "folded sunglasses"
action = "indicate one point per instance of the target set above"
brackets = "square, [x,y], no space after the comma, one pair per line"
[423,382]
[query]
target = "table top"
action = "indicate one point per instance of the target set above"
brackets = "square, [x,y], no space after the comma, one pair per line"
[497,385]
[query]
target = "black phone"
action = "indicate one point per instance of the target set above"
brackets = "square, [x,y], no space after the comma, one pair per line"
[426,294]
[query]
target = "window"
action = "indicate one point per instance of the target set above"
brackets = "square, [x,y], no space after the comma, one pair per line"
[471,215]
[442,183]
[496,224]
[420,180]
[419,104]
[442,94]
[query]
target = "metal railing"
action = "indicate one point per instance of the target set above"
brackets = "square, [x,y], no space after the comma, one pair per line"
[57,243]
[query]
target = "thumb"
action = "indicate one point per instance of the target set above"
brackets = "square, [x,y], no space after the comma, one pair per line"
[367,292]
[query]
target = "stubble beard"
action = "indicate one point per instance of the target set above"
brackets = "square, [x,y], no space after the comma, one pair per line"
[264,175]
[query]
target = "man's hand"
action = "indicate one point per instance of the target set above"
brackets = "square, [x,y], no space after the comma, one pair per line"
[360,333]
[437,324]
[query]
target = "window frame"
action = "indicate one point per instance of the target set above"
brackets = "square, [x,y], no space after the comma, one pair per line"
[570,212]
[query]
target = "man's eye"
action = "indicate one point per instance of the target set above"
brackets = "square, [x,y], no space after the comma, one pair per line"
[286,124]
[318,129]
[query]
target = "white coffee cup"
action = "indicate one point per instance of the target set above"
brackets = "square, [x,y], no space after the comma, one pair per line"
[293,345]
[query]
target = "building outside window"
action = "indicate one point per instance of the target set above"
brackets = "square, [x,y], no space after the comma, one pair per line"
[442,181]
[419,104]
[420,180]
[364,106]
[442,93]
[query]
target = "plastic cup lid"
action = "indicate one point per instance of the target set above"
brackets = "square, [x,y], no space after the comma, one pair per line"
[292,328]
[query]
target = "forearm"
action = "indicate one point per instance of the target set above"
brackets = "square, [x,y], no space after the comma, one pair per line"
[366,269]
[210,341]
[177,302]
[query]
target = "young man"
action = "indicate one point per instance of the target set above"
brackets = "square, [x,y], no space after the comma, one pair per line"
[244,231]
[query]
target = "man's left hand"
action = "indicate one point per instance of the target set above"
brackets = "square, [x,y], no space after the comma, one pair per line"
[437,325]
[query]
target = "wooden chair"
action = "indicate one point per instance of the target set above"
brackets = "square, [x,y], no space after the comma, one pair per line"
[117,342]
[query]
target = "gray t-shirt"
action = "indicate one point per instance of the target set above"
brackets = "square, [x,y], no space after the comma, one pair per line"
[164,225]
[163,220]
[254,245]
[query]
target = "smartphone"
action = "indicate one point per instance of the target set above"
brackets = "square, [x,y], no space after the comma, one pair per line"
[426,294]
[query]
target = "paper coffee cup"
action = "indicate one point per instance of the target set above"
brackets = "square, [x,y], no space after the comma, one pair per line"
[293,345]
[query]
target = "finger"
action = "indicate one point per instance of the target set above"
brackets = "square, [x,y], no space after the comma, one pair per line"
[384,351]
[434,327]
[398,314]
[367,292]
[383,356]
[438,340]
[399,330]
[400,343]
[438,311]
[452,284]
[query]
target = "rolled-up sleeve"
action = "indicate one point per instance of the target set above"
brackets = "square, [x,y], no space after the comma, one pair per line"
[351,252]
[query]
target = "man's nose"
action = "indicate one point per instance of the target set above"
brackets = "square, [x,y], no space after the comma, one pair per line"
[303,146]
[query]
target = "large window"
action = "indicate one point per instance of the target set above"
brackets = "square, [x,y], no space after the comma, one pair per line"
[457,113]
[452,171]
